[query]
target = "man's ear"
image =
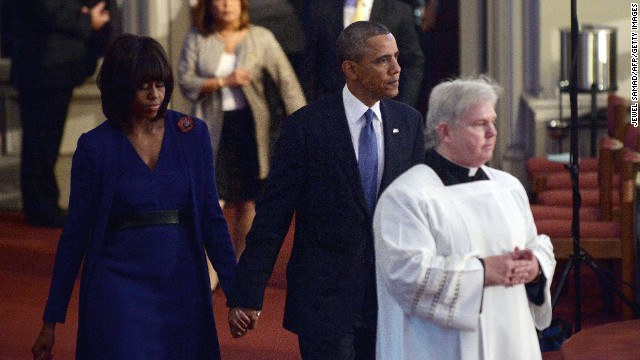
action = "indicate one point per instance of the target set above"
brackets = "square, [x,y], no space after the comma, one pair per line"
[443,131]
[349,69]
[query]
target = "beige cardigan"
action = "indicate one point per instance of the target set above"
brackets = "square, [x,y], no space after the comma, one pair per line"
[259,51]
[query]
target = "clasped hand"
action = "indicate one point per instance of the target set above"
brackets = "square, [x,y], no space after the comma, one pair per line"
[513,268]
[241,320]
[239,77]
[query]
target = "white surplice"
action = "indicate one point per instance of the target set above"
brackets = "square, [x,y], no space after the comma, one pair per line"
[432,303]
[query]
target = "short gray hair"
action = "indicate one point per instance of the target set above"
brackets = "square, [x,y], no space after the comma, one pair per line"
[352,42]
[450,99]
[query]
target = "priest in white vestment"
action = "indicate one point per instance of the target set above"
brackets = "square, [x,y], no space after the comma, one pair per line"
[461,271]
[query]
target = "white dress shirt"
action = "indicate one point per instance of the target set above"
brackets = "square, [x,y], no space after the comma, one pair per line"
[355,109]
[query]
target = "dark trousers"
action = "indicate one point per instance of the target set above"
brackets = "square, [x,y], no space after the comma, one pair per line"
[43,112]
[358,344]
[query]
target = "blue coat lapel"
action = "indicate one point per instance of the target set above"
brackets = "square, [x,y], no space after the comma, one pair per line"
[391,129]
[187,146]
[109,139]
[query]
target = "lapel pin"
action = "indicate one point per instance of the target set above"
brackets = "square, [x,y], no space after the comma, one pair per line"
[395,131]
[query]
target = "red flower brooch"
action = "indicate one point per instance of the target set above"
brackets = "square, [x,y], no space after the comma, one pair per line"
[186,124]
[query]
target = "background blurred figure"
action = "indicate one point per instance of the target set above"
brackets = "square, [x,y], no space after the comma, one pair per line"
[333,158]
[52,52]
[221,70]
[439,39]
[282,18]
[143,211]
[458,257]
[324,20]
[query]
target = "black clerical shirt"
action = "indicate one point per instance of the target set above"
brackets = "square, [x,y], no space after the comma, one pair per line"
[453,174]
[450,173]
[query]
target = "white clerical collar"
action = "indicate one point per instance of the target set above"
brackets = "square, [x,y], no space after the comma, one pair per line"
[354,108]
[472,170]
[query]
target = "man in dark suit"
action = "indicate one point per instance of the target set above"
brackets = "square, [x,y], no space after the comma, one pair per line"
[318,170]
[324,20]
[51,54]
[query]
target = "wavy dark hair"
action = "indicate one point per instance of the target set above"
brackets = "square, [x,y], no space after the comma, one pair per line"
[203,17]
[130,62]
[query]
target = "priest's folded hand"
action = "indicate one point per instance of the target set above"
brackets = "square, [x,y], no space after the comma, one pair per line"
[503,270]
[527,267]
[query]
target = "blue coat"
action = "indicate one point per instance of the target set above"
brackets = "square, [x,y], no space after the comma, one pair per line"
[94,175]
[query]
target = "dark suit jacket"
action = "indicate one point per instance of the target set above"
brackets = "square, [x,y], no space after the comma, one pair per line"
[323,21]
[94,174]
[282,18]
[51,45]
[315,174]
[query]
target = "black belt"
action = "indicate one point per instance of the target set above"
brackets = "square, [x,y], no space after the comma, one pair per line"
[130,221]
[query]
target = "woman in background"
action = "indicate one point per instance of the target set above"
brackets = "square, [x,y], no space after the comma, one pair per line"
[143,209]
[221,70]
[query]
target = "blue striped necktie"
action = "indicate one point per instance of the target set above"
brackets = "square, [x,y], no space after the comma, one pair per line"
[368,161]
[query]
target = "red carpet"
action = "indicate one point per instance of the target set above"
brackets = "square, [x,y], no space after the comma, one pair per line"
[26,261]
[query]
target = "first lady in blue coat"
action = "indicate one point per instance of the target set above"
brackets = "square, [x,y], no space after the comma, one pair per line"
[143,211]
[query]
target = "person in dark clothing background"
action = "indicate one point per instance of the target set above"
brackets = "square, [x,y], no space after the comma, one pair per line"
[323,21]
[439,36]
[52,52]
[282,18]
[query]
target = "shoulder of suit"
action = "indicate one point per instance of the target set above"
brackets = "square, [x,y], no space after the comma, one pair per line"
[104,130]
[325,102]
[318,111]
[394,105]
[98,142]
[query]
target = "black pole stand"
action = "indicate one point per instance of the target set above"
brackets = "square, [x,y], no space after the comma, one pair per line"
[579,255]
[593,123]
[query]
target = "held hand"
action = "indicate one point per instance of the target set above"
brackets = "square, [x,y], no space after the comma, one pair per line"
[254,315]
[41,350]
[241,320]
[239,77]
